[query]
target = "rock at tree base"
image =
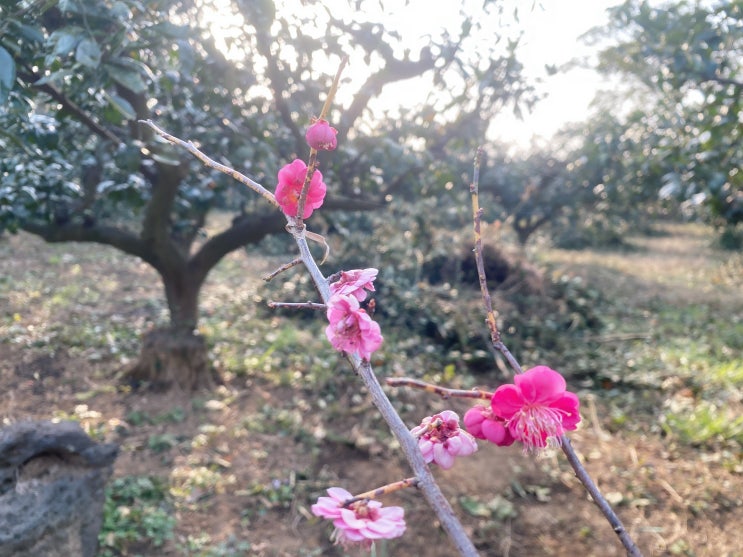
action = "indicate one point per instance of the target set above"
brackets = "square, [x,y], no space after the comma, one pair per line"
[52,489]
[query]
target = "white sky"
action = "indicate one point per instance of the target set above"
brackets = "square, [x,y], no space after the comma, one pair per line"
[551,34]
[550,37]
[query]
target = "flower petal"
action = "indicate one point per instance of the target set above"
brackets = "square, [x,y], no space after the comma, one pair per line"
[540,384]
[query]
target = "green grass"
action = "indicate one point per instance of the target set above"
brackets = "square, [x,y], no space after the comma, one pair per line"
[704,424]
[136,511]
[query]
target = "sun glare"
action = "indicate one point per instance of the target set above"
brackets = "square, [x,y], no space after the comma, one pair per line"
[548,37]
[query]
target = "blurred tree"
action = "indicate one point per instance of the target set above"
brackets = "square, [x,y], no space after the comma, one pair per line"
[75,76]
[530,191]
[686,122]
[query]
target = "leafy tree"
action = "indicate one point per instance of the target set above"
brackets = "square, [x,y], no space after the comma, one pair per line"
[76,76]
[686,62]
[530,191]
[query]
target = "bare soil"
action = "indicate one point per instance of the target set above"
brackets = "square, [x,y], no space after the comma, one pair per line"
[246,460]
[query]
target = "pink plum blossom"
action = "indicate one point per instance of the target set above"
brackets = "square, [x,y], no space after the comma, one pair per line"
[355,282]
[360,522]
[321,136]
[482,424]
[291,179]
[351,329]
[440,439]
[536,407]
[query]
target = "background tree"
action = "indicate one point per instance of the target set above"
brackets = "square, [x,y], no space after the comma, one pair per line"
[76,76]
[685,62]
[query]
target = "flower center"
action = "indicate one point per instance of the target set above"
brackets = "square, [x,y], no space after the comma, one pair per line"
[535,423]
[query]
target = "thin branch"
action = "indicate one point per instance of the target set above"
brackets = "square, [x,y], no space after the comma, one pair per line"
[580,471]
[384,490]
[428,486]
[601,503]
[490,314]
[312,164]
[296,305]
[436,390]
[285,267]
[71,107]
[333,89]
[191,148]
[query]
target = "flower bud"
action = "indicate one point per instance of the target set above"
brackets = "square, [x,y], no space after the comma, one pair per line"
[321,136]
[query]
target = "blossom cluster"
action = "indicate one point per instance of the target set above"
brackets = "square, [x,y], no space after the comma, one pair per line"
[350,327]
[533,409]
[291,177]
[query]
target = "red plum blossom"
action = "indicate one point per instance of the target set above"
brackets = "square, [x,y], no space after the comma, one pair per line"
[291,179]
[536,407]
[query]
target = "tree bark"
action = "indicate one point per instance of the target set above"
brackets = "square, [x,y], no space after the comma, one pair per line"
[176,355]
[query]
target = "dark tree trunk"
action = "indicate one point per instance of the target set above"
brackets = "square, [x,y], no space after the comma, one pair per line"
[171,357]
[177,355]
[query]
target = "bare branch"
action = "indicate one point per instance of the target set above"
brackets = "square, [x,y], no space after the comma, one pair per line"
[86,119]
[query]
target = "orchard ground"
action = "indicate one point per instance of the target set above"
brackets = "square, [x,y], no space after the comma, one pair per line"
[234,471]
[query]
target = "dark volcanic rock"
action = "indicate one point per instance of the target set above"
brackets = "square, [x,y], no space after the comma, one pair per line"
[52,481]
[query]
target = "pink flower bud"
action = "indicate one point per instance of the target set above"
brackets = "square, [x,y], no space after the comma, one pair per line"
[321,136]
[482,424]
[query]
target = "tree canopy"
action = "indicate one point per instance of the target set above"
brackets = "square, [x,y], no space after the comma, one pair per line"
[77,76]
[685,61]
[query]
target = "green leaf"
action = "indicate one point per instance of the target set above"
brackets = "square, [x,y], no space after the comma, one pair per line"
[123,106]
[88,53]
[65,41]
[7,74]
[54,77]
[131,79]
[28,32]
[168,29]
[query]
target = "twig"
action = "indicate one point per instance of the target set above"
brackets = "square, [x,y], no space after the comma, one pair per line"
[296,305]
[191,148]
[443,392]
[312,163]
[384,490]
[490,314]
[567,448]
[306,186]
[284,267]
[333,89]
[598,499]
